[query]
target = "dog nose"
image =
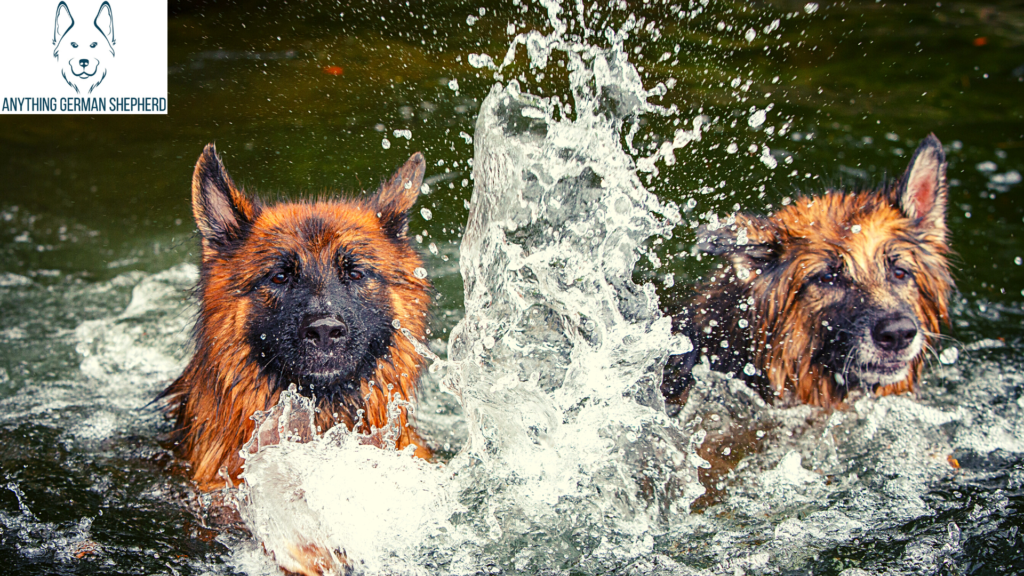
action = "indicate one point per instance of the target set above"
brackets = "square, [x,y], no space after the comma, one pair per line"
[322,331]
[83,62]
[894,333]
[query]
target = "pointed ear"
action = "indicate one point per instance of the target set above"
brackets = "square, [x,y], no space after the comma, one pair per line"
[749,241]
[396,197]
[62,22]
[922,192]
[104,22]
[223,213]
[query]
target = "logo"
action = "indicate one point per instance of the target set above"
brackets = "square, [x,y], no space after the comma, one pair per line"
[71,62]
[84,52]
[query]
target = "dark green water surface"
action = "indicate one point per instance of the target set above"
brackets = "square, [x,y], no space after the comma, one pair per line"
[92,207]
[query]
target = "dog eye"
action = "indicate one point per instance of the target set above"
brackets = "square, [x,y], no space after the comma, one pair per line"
[899,273]
[74,44]
[355,275]
[828,278]
[279,278]
[93,45]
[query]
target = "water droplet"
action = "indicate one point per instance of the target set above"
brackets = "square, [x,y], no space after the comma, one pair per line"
[1018,261]
[743,323]
[750,35]
[263,336]
[426,213]
[949,355]
[432,248]
[757,118]
[749,369]
[811,7]
[454,85]
[1002,182]
[396,323]
[385,144]
[986,166]
[420,273]
[483,60]
[732,148]
[855,228]
[953,531]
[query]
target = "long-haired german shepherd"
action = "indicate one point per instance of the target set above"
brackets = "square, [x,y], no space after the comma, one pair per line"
[319,294]
[832,293]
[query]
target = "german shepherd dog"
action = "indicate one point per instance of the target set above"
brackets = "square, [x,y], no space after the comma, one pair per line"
[830,294]
[322,294]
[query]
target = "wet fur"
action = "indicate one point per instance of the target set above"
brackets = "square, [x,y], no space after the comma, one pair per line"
[802,288]
[246,348]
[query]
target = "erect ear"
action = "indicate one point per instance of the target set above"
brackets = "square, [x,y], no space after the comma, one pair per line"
[749,240]
[922,192]
[223,213]
[104,22]
[396,196]
[62,22]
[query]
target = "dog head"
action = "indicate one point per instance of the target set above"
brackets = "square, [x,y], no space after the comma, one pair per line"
[83,50]
[320,290]
[846,289]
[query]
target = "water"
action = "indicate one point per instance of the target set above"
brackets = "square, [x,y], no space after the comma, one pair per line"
[553,454]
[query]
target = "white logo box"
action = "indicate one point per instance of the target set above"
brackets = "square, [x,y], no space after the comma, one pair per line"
[86,78]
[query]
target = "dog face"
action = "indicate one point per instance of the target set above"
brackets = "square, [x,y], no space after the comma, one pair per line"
[84,49]
[324,286]
[841,290]
[329,295]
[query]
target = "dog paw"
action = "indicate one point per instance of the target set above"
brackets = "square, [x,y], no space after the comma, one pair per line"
[315,560]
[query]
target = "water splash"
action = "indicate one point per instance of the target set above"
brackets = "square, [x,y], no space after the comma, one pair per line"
[571,461]
[557,361]
[369,506]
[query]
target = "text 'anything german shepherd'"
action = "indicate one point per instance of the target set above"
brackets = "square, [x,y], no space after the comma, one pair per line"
[312,293]
[832,293]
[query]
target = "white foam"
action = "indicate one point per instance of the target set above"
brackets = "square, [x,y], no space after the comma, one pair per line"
[376,506]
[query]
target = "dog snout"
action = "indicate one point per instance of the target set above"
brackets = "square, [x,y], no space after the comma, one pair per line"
[894,333]
[322,331]
[84,62]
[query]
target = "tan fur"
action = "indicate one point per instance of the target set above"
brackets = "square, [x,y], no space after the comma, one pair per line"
[813,229]
[770,308]
[222,387]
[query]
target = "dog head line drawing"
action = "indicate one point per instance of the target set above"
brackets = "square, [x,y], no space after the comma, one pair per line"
[84,51]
